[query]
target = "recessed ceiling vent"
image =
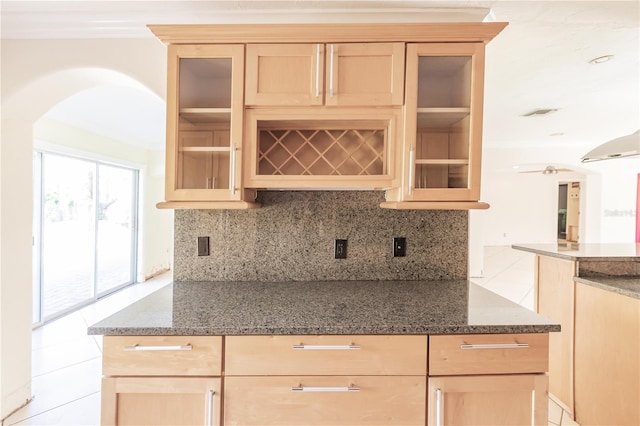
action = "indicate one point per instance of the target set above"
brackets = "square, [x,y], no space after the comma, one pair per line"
[540,111]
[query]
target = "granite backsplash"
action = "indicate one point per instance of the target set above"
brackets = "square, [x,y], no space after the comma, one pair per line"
[292,236]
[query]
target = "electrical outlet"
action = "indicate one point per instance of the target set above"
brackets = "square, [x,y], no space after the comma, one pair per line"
[341,249]
[399,246]
[203,246]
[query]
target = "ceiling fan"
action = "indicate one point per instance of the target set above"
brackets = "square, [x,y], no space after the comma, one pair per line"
[549,170]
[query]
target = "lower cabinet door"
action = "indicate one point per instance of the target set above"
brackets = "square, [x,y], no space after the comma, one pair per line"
[488,400]
[325,400]
[160,401]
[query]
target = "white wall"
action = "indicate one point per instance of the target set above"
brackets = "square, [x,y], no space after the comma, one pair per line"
[37,74]
[524,205]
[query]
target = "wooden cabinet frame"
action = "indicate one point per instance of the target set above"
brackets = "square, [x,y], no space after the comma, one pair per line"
[353,45]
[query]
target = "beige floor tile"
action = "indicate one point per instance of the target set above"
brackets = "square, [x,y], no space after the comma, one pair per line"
[64,354]
[567,420]
[555,413]
[84,411]
[60,387]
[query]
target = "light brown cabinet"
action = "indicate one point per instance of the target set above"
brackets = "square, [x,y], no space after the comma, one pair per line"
[319,380]
[488,379]
[204,126]
[334,74]
[442,147]
[607,357]
[554,298]
[153,380]
[325,106]
[325,379]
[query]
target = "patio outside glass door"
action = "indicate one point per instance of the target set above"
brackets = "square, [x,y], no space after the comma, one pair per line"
[85,232]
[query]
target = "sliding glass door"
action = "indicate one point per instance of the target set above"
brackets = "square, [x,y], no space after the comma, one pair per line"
[85,233]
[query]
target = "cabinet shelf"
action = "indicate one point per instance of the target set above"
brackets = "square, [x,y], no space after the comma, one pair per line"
[206,115]
[204,149]
[443,161]
[441,117]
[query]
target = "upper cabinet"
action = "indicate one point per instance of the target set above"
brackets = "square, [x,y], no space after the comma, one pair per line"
[334,74]
[204,125]
[393,107]
[442,146]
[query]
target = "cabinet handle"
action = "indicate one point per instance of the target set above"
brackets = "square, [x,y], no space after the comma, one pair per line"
[331,73]
[210,408]
[137,347]
[232,159]
[318,70]
[411,168]
[350,388]
[439,403]
[494,346]
[352,346]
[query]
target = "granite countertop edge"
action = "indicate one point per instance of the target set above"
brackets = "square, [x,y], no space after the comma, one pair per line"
[290,331]
[323,308]
[576,255]
[626,286]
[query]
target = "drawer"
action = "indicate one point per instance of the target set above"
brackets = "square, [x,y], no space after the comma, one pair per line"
[488,354]
[162,355]
[325,355]
[328,400]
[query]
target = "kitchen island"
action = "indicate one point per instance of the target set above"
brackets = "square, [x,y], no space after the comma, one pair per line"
[593,291]
[332,352]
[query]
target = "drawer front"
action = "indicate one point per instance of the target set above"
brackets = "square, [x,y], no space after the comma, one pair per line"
[162,355]
[488,354]
[329,400]
[325,355]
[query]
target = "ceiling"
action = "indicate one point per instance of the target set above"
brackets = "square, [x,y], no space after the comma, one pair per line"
[540,61]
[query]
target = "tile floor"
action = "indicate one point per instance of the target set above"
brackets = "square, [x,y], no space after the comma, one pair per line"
[66,361]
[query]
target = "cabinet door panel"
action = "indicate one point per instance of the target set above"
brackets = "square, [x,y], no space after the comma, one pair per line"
[555,298]
[607,357]
[204,123]
[365,74]
[488,400]
[443,123]
[149,401]
[262,401]
[284,74]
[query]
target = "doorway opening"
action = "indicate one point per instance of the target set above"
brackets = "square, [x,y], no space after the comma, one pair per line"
[568,212]
[85,239]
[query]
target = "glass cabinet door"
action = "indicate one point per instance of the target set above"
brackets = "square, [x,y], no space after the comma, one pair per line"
[204,107]
[444,121]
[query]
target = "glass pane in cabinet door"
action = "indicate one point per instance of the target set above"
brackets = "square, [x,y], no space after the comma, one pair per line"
[443,122]
[204,123]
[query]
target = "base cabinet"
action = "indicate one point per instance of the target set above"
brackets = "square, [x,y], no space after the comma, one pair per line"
[139,401]
[372,380]
[325,400]
[488,400]
[607,357]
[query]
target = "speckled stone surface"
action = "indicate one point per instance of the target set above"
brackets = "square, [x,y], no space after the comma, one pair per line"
[292,236]
[582,252]
[627,286]
[323,307]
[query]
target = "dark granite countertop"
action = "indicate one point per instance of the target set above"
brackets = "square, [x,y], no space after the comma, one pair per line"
[591,252]
[627,286]
[317,307]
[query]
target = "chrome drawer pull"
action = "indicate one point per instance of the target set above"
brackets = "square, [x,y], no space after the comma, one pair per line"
[350,388]
[186,347]
[438,407]
[210,408]
[327,347]
[495,346]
